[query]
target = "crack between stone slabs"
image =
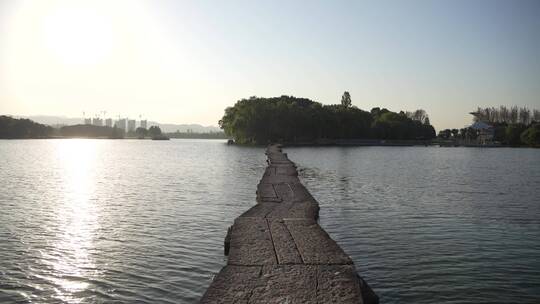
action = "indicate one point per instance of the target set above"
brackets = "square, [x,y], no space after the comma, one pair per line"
[275,192]
[292,191]
[254,287]
[294,241]
[317,284]
[292,238]
[272,240]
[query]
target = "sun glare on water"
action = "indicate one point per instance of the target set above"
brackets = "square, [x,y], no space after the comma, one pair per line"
[77,217]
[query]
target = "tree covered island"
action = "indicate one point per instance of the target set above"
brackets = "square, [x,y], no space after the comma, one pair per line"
[289,119]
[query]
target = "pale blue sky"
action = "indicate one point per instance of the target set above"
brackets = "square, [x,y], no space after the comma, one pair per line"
[184,62]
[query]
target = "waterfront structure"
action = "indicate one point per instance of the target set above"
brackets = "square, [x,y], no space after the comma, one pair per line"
[144,124]
[87,121]
[485,131]
[131,125]
[108,122]
[121,124]
[278,253]
[97,121]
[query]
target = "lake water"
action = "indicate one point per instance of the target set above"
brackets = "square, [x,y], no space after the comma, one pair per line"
[86,221]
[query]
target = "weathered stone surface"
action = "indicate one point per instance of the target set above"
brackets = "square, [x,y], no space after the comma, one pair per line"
[285,170]
[284,245]
[279,254]
[287,284]
[269,171]
[314,244]
[278,179]
[338,284]
[251,243]
[303,209]
[266,192]
[233,284]
[284,191]
[261,209]
[300,192]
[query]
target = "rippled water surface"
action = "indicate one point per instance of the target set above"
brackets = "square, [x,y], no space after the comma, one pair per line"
[86,221]
[433,225]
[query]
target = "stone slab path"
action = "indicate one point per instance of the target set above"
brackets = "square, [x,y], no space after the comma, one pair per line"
[278,253]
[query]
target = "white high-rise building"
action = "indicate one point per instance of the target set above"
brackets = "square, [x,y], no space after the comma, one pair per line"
[144,124]
[97,121]
[131,125]
[88,121]
[108,122]
[121,124]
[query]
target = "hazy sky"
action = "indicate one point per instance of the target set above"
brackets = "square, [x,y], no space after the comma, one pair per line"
[184,62]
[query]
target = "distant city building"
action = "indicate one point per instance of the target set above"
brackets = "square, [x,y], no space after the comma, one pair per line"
[131,125]
[97,122]
[108,122]
[87,121]
[121,124]
[144,124]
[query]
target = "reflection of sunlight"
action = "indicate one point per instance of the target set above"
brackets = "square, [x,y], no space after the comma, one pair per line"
[76,217]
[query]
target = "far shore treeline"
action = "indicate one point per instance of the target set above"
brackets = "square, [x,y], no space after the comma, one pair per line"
[13,128]
[512,126]
[22,128]
[290,119]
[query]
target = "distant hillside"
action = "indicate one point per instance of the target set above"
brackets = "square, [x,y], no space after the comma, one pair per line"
[22,128]
[167,128]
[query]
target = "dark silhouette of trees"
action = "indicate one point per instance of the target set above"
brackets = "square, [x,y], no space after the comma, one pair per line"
[154,131]
[445,134]
[513,133]
[291,119]
[346,99]
[11,128]
[141,132]
[91,131]
[507,115]
[531,136]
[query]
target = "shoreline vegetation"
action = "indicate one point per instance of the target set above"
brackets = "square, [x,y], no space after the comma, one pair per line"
[296,121]
[507,126]
[290,120]
[13,128]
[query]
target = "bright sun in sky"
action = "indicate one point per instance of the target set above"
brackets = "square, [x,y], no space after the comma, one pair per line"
[65,57]
[78,34]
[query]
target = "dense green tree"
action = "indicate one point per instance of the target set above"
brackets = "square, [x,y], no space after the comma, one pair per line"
[346,99]
[445,134]
[22,128]
[141,132]
[154,131]
[291,119]
[531,136]
[513,133]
